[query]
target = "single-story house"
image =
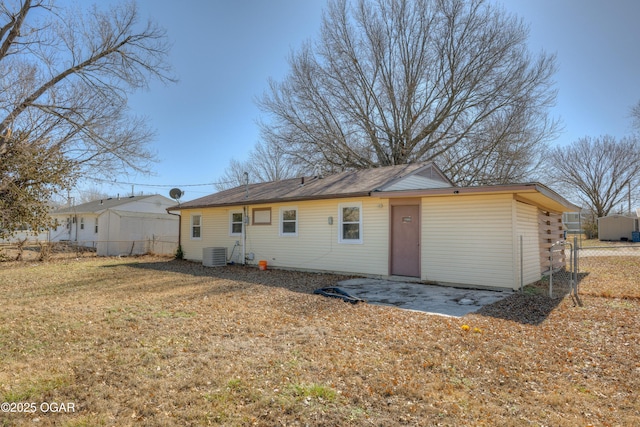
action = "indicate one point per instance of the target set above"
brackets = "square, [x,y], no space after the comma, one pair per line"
[617,227]
[404,220]
[120,225]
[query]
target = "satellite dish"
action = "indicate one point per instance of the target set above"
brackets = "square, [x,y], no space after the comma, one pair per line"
[176,193]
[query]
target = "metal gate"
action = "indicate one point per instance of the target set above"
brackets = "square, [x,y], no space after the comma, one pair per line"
[563,269]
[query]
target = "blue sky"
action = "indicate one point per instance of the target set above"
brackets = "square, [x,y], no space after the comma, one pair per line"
[224,52]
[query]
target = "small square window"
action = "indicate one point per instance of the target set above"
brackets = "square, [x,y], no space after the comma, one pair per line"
[261,216]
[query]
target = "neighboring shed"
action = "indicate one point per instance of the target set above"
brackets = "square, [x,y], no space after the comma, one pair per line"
[407,221]
[617,227]
[120,226]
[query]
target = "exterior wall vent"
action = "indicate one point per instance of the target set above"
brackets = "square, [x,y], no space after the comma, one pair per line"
[214,257]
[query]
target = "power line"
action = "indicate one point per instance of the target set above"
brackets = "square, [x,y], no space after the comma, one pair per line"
[106,181]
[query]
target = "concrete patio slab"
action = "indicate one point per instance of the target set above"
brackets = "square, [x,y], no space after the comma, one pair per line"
[442,300]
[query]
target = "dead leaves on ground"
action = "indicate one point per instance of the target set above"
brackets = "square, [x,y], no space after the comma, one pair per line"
[163,342]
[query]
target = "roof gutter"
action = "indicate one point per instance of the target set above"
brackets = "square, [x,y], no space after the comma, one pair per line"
[446,191]
[273,200]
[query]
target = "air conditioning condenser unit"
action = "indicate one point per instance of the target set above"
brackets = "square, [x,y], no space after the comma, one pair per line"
[214,257]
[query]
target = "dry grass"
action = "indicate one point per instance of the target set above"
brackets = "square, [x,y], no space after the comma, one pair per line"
[148,341]
[612,277]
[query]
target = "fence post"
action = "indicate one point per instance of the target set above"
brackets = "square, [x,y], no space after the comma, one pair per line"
[551,271]
[575,262]
[575,271]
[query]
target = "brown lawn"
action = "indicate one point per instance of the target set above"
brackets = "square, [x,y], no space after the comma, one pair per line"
[148,341]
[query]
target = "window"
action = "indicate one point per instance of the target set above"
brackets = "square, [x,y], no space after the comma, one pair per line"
[235,227]
[350,229]
[289,221]
[96,226]
[81,223]
[196,226]
[261,216]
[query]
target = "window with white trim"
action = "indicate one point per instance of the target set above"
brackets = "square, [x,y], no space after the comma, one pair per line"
[82,223]
[350,220]
[289,221]
[96,225]
[196,226]
[235,223]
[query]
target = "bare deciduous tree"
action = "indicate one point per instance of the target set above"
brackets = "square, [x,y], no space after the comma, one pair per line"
[65,77]
[635,116]
[90,194]
[397,81]
[266,162]
[598,172]
[234,175]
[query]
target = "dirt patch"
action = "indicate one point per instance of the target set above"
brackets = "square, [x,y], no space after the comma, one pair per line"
[150,341]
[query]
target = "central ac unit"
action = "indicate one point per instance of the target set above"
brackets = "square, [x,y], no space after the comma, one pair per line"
[214,257]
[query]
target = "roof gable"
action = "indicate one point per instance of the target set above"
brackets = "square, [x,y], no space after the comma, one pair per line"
[428,176]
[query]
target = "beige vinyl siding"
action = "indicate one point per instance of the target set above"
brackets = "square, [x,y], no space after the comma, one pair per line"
[214,231]
[468,240]
[316,246]
[527,227]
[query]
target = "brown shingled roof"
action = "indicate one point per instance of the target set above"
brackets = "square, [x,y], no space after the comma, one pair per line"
[345,184]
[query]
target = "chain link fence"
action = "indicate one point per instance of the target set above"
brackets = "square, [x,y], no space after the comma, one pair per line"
[566,257]
[610,249]
[25,250]
[563,270]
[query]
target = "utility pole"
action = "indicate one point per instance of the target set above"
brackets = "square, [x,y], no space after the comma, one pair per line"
[629,197]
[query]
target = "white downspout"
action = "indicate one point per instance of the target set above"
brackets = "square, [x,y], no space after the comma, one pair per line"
[245,219]
[244,235]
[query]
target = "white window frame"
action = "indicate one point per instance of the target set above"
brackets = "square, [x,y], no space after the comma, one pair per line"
[341,222]
[96,226]
[231,213]
[281,221]
[81,223]
[191,226]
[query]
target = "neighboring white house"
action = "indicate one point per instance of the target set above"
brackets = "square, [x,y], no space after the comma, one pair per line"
[617,227]
[405,220]
[119,226]
[575,222]
[30,236]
